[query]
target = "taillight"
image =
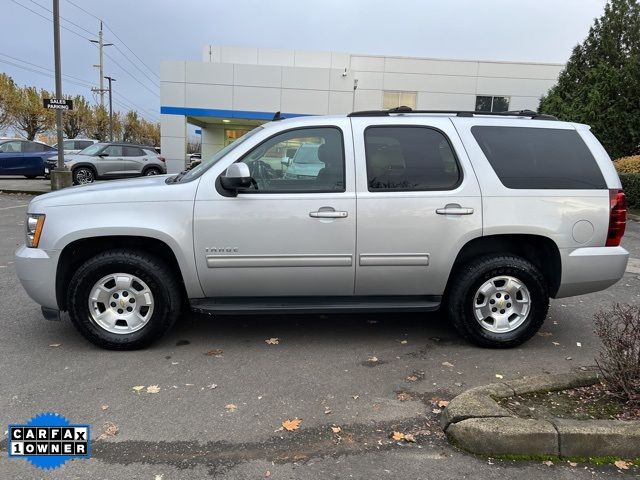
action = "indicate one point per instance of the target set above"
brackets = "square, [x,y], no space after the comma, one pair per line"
[161,159]
[617,217]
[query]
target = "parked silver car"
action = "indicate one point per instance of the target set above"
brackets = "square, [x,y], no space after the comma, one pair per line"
[485,215]
[102,161]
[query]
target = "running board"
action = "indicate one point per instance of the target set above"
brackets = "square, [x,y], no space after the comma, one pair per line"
[314,305]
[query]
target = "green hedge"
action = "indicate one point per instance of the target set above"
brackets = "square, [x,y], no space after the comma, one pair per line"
[631,186]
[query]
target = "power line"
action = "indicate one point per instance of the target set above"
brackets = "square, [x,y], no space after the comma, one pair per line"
[116,36]
[49,19]
[62,18]
[45,68]
[131,75]
[50,75]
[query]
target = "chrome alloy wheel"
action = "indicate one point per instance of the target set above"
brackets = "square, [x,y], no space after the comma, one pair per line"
[501,304]
[121,303]
[84,176]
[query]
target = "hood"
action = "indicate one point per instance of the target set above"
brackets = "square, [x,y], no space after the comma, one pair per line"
[143,189]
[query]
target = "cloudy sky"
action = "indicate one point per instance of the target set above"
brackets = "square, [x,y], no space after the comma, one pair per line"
[147,31]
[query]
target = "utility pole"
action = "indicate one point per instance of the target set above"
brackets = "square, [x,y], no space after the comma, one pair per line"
[110,79]
[60,176]
[353,100]
[100,65]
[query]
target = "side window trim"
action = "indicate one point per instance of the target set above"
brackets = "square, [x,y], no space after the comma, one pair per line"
[428,127]
[301,191]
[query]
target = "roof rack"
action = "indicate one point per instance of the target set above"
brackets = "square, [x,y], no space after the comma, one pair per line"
[404,110]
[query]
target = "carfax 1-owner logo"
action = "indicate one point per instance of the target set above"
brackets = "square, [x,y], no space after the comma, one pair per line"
[48,440]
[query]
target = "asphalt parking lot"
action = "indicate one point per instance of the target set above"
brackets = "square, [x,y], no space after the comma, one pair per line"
[224,391]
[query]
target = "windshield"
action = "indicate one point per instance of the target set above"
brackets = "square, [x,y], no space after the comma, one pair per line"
[92,150]
[212,160]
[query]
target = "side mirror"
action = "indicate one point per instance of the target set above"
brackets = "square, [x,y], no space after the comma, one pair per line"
[236,178]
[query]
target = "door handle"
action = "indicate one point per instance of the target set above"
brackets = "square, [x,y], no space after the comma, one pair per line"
[454,209]
[328,212]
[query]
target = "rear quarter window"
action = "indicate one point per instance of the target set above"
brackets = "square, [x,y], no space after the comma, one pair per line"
[539,158]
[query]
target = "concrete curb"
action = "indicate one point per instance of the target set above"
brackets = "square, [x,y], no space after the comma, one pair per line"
[22,191]
[475,422]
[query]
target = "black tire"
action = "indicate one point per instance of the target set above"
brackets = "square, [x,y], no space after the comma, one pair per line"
[468,279]
[160,279]
[152,171]
[80,173]
[30,177]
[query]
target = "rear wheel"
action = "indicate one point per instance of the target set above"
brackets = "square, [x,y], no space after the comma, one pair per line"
[30,177]
[83,176]
[498,301]
[123,299]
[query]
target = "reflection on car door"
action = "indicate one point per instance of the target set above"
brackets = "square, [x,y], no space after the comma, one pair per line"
[419,202]
[111,165]
[10,157]
[134,160]
[272,241]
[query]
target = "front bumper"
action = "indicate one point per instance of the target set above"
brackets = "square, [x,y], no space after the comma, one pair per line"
[591,269]
[36,269]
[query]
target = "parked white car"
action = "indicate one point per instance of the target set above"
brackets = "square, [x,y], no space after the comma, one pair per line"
[74,145]
[484,215]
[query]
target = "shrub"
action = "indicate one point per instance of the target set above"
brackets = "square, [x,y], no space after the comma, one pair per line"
[619,358]
[628,164]
[631,186]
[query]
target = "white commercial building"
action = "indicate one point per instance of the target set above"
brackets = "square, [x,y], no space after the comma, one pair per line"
[233,89]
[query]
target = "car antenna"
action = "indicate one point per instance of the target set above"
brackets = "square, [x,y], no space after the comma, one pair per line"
[276,117]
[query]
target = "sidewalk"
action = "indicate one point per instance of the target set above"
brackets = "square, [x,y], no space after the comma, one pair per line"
[15,184]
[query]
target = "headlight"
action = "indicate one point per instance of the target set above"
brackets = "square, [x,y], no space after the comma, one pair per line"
[35,222]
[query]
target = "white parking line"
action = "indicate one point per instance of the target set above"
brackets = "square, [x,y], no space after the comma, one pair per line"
[15,206]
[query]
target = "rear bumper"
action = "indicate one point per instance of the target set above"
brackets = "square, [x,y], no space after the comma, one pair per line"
[591,269]
[36,269]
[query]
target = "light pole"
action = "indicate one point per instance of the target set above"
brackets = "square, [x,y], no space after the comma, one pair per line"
[353,101]
[60,176]
[110,79]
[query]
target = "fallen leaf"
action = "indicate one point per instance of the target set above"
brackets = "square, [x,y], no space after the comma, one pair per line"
[556,343]
[403,396]
[621,464]
[372,359]
[104,407]
[55,344]
[411,378]
[572,464]
[548,463]
[336,429]
[272,341]
[231,407]
[443,403]
[267,474]
[216,352]
[109,429]
[397,436]
[327,411]
[578,344]
[153,389]
[212,386]
[436,410]
[447,364]
[403,342]
[138,388]
[409,438]
[291,425]
[499,376]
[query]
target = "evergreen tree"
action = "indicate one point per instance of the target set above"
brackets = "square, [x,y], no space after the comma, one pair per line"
[600,84]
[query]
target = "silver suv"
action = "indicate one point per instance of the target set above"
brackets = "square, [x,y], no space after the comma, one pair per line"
[102,161]
[486,216]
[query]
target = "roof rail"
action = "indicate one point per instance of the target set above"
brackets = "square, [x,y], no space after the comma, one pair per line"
[405,110]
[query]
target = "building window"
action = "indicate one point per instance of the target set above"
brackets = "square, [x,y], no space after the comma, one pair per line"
[492,104]
[399,99]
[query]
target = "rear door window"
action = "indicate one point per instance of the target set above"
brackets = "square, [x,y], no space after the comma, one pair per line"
[133,152]
[409,158]
[539,158]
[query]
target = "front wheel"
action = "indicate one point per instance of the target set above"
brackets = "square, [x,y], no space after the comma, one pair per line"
[152,171]
[498,301]
[83,176]
[123,299]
